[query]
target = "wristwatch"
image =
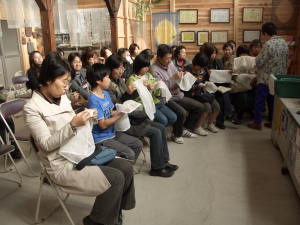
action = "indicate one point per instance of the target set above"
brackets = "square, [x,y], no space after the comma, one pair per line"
[74,129]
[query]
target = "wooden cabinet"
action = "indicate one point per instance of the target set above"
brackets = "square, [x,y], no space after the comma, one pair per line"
[286,136]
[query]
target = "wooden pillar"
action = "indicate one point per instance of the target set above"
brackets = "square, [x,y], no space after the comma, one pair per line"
[172,5]
[47,21]
[126,22]
[296,70]
[113,8]
[236,21]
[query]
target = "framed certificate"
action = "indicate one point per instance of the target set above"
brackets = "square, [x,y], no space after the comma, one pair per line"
[250,35]
[253,15]
[187,36]
[188,16]
[219,36]
[220,15]
[202,37]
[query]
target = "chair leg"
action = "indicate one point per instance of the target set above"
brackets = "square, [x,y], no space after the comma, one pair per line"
[18,172]
[143,163]
[37,221]
[62,202]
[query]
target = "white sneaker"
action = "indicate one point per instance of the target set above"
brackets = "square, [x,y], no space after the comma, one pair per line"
[188,134]
[212,128]
[178,140]
[200,131]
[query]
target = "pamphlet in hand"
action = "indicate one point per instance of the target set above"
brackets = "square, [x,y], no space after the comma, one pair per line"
[220,76]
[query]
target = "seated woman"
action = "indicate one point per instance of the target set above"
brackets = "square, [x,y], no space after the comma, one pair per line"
[79,84]
[35,62]
[104,132]
[140,124]
[124,53]
[255,47]
[199,69]
[242,91]
[89,57]
[163,114]
[134,50]
[227,56]
[180,60]
[105,52]
[223,98]
[52,123]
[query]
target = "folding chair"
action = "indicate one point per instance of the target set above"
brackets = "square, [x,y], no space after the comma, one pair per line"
[55,189]
[5,150]
[18,80]
[9,109]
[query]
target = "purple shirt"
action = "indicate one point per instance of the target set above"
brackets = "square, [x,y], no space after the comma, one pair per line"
[166,75]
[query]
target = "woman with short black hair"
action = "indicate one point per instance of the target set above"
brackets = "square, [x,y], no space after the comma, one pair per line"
[52,123]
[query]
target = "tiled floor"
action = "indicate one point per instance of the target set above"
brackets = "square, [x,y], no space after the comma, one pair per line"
[229,178]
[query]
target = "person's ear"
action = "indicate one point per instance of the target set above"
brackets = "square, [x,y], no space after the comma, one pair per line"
[98,82]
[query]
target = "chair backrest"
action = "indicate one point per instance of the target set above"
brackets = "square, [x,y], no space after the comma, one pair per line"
[11,108]
[19,79]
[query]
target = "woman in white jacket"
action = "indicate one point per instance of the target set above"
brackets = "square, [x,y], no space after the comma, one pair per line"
[52,123]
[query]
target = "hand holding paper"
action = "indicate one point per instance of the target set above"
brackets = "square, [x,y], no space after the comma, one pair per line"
[128,106]
[186,82]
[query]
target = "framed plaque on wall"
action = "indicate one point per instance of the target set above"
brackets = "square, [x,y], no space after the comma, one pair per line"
[253,15]
[188,16]
[187,36]
[220,15]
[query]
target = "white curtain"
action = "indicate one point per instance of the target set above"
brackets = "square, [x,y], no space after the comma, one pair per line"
[89,26]
[60,15]
[21,13]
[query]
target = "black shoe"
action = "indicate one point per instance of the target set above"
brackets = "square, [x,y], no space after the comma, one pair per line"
[88,221]
[221,126]
[268,125]
[171,166]
[165,172]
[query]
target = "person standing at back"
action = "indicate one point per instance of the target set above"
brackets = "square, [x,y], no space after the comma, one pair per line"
[273,59]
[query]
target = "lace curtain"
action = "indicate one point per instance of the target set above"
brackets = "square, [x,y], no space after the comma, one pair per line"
[84,26]
[89,26]
[21,13]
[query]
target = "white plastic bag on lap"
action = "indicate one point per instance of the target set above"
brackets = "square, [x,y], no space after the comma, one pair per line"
[79,146]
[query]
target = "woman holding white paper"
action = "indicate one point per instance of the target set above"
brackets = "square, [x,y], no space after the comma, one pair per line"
[52,123]
[163,114]
[222,97]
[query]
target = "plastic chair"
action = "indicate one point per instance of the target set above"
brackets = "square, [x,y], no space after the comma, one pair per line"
[9,109]
[5,150]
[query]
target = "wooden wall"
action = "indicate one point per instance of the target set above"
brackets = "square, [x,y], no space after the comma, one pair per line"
[274,10]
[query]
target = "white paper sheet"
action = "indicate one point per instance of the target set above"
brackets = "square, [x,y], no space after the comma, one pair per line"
[128,106]
[186,82]
[220,76]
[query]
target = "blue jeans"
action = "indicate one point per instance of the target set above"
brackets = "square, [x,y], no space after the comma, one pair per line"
[262,94]
[164,115]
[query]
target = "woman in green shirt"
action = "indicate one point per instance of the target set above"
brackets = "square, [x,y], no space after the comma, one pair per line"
[163,114]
